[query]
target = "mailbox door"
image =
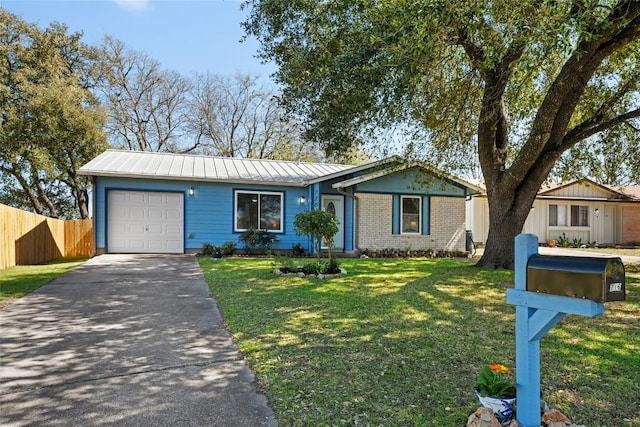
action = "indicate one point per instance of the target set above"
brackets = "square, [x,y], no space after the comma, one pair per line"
[615,281]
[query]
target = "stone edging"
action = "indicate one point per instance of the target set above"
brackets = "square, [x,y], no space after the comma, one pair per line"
[277,272]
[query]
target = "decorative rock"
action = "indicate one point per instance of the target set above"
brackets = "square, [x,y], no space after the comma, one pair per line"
[483,417]
[555,417]
[301,274]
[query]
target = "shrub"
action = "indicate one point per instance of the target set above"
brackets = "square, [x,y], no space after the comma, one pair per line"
[257,239]
[207,249]
[228,248]
[285,264]
[314,267]
[563,241]
[333,267]
[297,250]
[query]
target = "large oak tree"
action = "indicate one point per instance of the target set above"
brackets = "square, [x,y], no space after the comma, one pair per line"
[524,81]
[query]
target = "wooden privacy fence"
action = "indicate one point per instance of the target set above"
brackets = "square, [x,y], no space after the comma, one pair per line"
[28,238]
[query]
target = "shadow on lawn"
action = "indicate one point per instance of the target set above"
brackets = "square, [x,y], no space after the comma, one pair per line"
[416,334]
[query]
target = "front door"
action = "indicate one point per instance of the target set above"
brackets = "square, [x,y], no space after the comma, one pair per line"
[609,225]
[335,206]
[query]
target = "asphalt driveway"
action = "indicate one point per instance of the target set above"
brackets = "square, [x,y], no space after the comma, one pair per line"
[124,340]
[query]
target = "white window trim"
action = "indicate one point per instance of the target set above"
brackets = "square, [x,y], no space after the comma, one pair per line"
[567,218]
[411,233]
[258,193]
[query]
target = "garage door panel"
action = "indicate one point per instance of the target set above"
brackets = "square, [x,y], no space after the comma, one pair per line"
[173,214]
[156,229]
[145,222]
[156,245]
[174,198]
[157,199]
[118,197]
[174,230]
[137,213]
[174,245]
[138,198]
[136,244]
[155,214]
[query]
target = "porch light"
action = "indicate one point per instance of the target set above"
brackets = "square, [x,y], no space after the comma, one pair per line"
[302,200]
[191,191]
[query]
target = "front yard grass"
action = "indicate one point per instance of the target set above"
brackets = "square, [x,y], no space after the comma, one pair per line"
[16,282]
[400,342]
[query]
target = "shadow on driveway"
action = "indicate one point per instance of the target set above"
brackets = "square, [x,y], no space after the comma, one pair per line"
[124,340]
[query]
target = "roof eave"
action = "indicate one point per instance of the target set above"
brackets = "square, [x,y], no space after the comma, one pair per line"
[195,179]
[438,173]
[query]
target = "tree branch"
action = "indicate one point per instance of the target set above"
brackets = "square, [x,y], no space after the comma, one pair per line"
[550,124]
[590,127]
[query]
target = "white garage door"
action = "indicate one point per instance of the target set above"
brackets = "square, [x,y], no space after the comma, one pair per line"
[145,222]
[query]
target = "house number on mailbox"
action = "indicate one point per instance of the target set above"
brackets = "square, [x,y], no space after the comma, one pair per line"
[615,287]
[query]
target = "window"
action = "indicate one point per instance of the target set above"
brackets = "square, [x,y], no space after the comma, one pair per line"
[579,215]
[259,210]
[553,215]
[411,213]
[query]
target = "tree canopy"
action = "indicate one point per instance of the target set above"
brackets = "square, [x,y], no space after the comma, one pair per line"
[51,123]
[518,82]
[153,109]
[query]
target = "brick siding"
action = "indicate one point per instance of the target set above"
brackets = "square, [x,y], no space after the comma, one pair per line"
[447,225]
[631,224]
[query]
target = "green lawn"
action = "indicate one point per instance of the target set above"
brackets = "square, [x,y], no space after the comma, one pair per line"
[399,343]
[16,282]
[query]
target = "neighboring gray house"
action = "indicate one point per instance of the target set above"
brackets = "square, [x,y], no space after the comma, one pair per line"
[171,203]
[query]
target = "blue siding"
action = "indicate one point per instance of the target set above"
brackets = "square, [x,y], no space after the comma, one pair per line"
[412,181]
[209,213]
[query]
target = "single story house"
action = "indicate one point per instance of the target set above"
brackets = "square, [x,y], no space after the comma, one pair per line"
[578,209]
[148,202]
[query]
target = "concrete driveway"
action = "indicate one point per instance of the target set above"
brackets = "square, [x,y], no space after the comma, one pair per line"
[128,340]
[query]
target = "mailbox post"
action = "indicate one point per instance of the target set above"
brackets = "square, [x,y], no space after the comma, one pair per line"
[538,311]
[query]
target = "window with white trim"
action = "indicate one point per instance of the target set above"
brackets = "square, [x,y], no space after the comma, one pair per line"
[259,210]
[411,212]
[579,216]
[575,216]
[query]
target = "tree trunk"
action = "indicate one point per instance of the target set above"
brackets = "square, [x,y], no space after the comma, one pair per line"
[508,211]
[499,248]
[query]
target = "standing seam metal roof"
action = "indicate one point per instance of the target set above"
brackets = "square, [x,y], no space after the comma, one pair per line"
[143,164]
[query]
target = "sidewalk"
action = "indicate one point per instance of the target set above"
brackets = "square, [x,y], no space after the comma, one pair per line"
[626,259]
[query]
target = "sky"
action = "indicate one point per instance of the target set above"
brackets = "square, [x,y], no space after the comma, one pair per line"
[187,36]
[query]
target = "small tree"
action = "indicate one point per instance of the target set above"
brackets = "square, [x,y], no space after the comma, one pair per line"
[318,225]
